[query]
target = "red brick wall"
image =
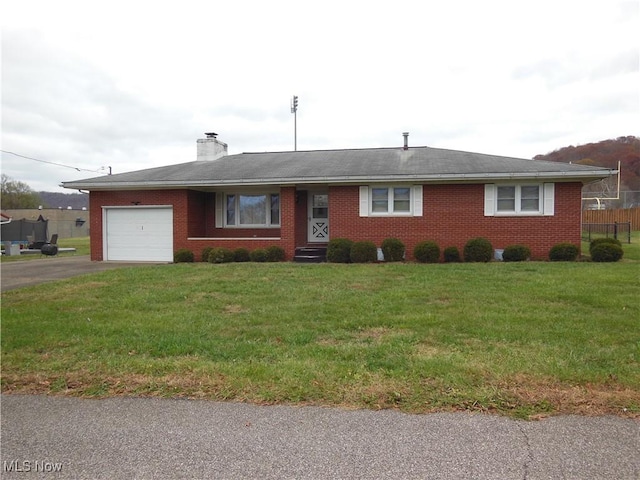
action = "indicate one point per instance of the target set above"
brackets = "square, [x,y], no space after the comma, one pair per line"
[201,215]
[453,214]
[194,216]
[177,198]
[253,238]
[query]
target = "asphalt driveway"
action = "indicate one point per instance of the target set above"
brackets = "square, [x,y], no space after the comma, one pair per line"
[47,269]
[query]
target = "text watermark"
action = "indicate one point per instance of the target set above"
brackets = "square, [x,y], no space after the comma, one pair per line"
[25,466]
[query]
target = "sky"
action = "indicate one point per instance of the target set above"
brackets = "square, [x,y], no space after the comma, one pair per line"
[128,85]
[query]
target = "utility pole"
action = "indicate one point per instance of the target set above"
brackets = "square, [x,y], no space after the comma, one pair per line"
[294,110]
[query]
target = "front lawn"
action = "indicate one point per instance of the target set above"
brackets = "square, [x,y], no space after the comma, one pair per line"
[523,339]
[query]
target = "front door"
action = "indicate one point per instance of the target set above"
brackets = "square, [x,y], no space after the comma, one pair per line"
[318,218]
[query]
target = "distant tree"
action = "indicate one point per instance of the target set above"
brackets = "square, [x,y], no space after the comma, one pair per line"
[17,194]
[606,153]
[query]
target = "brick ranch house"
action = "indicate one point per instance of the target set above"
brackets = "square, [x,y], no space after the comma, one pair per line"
[304,198]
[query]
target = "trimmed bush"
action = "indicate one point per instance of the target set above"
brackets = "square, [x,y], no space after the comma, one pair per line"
[606,252]
[184,255]
[275,254]
[600,241]
[205,253]
[339,250]
[563,252]
[478,250]
[427,252]
[451,255]
[220,255]
[258,255]
[364,252]
[241,255]
[393,250]
[516,253]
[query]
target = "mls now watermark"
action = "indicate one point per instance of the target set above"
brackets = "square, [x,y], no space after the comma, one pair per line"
[31,466]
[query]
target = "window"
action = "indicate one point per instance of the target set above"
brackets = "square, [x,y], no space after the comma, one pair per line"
[320,205]
[251,210]
[518,199]
[385,200]
[531,199]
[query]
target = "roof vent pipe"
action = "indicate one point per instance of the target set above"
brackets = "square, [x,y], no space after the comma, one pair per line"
[406,140]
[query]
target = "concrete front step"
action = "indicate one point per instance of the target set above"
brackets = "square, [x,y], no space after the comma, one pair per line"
[310,254]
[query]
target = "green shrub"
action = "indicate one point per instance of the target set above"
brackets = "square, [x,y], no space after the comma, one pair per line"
[606,252]
[599,241]
[339,250]
[563,252]
[478,250]
[220,255]
[184,255]
[258,255]
[205,253]
[241,255]
[451,255]
[427,252]
[393,250]
[275,254]
[516,253]
[364,252]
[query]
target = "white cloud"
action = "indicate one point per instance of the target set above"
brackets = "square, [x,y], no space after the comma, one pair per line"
[133,84]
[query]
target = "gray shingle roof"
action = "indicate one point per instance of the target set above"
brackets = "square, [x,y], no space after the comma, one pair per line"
[423,164]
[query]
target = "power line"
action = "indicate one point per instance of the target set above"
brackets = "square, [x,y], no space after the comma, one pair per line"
[51,163]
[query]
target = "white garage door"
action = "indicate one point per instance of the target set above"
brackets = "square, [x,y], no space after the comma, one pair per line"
[140,234]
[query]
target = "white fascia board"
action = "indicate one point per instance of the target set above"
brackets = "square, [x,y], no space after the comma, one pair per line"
[589,175]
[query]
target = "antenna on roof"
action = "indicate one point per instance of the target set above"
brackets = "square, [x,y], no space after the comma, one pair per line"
[294,110]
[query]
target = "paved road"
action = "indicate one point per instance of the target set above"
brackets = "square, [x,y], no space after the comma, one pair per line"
[162,438]
[46,269]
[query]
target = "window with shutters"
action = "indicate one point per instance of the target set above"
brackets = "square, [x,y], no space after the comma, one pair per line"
[519,199]
[390,200]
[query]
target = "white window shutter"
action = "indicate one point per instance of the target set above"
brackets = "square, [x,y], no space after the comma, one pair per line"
[489,200]
[549,199]
[219,210]
[364,201]
[417,200]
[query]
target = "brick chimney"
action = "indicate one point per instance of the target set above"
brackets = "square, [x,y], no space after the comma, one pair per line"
[210,148]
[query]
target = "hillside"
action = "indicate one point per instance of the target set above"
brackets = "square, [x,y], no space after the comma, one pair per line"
[63,200]
[606,153]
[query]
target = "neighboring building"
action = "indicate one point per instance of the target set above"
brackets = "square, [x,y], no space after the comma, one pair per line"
[67,223]
[300,198]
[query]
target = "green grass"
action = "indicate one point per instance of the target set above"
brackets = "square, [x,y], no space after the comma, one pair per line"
[631,251]
[523,339]
[81,244]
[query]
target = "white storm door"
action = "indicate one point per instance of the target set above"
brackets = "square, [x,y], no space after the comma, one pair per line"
[318,218]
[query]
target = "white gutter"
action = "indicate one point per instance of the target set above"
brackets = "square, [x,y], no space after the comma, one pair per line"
[355,179]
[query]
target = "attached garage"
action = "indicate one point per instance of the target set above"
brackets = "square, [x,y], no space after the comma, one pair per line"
[138,234]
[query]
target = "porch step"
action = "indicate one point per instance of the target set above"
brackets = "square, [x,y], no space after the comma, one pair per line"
[310,254]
